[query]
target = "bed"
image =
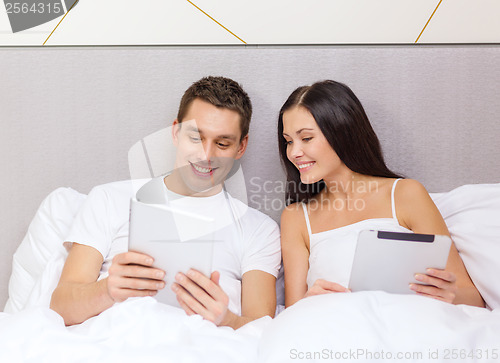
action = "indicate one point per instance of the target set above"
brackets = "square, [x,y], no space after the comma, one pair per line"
[437,124]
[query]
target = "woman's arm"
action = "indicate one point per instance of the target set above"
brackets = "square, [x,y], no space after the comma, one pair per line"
[416,210]
[295,253]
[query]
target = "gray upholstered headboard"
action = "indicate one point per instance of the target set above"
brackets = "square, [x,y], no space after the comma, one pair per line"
[70,115]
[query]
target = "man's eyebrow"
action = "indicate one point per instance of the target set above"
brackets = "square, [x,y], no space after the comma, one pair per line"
[193,128]
[227,137]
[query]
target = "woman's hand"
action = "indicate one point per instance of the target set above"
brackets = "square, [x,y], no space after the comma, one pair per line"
[441,285]
[321,287]
[198,294]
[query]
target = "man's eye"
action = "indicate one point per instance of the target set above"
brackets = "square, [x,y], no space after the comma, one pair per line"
[194,139]
[222,145]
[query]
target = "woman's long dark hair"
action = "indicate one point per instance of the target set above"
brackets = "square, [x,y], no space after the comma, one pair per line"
[342,119]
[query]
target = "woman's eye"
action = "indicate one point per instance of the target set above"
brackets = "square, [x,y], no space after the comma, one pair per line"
[288,142]
[195,139]
[306,139]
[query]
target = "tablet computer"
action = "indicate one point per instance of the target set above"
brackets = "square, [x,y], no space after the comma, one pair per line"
[176,239]
[388,261]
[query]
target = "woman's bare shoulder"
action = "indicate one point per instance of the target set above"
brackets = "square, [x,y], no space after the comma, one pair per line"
[410,189]
[292,212]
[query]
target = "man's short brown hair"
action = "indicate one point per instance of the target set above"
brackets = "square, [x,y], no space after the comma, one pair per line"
[220,92]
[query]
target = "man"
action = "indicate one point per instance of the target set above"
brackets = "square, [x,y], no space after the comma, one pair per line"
[210,132]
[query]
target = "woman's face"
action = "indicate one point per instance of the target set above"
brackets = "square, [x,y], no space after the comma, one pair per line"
[307,148]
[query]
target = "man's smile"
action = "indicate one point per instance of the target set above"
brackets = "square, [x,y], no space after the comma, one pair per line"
[202,170]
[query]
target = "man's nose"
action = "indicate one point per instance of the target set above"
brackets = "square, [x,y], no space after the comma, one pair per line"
[208,151]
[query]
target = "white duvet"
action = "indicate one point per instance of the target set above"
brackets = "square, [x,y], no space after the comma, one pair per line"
[138,330]
[357,327]
[376,326]
[131,331]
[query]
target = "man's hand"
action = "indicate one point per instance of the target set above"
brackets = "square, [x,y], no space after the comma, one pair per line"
[198,294]
[321,287]
[442,285]
[131,274]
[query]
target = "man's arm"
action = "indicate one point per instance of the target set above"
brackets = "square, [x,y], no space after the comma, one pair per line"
[79,296]
[198,294]
[258,298]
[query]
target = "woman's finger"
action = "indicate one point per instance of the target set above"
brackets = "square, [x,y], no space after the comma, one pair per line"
[330,286]
[434,281]
[433,297]
[441,274]
[433,291]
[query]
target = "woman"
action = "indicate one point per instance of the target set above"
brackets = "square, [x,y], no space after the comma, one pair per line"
[337,185]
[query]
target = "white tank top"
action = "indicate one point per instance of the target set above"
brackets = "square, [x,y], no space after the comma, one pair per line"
[332,252]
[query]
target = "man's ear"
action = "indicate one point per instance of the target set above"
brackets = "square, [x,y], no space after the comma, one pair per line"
[176,126]
[242,147]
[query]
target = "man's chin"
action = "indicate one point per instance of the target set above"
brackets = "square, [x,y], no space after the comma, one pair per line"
[204,190]
[204,185]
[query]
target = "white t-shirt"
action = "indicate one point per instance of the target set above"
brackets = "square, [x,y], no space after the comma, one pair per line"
[251,239]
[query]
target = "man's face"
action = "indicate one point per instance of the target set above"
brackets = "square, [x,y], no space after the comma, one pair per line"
[208,142]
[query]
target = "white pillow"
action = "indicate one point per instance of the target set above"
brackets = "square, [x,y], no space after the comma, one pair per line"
[43,240]
[472,214]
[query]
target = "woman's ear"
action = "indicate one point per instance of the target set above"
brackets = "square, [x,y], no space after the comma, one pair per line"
[242,147]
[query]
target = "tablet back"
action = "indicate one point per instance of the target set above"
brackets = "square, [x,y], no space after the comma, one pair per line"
[388,261]
[177,241]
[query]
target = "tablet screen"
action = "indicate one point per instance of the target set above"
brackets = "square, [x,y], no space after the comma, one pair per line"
[388,261]
[177,241]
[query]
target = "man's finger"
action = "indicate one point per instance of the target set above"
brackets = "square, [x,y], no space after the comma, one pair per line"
[137,284]
[133,257]
[142,272]
[215,277]
[184,306]
[188,299]
[208,285]
[194,288]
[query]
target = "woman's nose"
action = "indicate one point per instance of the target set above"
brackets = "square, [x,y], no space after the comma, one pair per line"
[296,151]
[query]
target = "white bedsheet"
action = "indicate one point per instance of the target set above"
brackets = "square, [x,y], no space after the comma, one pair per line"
[376,326]
[131,331]
[358,327]
[137,330]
